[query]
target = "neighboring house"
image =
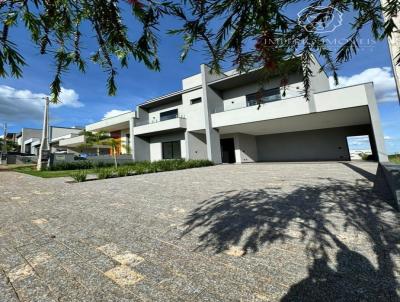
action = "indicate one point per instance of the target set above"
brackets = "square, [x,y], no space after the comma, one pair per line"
[357,154]
[118,127]
[30,139]
[56,134]
[26,137]
[218,117]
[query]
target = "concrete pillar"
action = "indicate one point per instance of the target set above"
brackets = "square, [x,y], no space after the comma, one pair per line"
[394,47]
[142,148]
[377,131]
[209,101]
[196,145]
[132,137]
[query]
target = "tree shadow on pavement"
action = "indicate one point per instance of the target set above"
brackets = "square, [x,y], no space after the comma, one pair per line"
[319,215]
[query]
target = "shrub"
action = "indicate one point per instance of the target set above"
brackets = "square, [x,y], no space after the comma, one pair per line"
[104,173]
[395,158]
[144,167]
[78,165]
[79,176]
[139,169]
[123,171]
[81,165]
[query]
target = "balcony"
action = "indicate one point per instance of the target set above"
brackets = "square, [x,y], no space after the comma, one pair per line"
[160,126]
[332,100]
[250,112]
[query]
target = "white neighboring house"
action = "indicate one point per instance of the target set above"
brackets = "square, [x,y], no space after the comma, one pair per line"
[357,154]
[118,127]
[29,139]
[26,137]
[217,117]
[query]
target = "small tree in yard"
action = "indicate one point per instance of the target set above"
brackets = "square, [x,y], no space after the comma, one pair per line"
[10,145]
[94,139]
[113,143]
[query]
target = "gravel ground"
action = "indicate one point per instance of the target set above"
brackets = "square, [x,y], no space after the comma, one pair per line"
[255,232]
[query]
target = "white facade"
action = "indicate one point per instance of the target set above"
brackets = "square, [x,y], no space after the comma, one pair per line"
[221,118]
[119,127]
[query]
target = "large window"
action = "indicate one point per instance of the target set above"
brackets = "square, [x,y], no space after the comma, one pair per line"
[263,96]
[168,115]
[171,150]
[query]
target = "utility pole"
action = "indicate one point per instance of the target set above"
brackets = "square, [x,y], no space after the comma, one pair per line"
[394,48]
[4,151]
[44,145]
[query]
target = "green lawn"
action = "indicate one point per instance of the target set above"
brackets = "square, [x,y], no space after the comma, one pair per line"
[46,174]
[395,158]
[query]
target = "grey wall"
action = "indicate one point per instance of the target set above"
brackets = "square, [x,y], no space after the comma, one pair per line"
[141,148]
[325,144]
[245,148]
[196,145]
[28,133]
[61,131]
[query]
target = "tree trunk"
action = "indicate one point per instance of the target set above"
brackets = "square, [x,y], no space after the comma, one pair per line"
[115,157]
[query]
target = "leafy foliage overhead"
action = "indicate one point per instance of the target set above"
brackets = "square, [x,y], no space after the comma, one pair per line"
[254,33]
[55,27]
[244,32]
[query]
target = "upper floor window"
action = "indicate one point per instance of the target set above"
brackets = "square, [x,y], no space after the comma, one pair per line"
[195,101]
[263,96]
[168,115]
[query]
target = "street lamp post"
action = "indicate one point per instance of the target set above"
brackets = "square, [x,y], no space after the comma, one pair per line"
[3,153]
[44,145]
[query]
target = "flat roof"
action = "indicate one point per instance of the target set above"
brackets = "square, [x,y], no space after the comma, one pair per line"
[228,82]
[167,98]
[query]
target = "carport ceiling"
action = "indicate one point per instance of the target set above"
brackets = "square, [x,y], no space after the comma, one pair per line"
[319,120]
[111,128]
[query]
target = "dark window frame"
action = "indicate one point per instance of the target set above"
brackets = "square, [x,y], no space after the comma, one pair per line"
[175,150]
[268,96]
[195,101]
[168,115]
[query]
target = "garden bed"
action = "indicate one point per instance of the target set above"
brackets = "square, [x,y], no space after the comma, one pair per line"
[136,168]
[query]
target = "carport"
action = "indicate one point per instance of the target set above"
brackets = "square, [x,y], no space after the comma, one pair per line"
[319,136]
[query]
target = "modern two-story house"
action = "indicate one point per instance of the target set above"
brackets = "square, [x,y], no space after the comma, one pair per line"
[239,117]
[118,127]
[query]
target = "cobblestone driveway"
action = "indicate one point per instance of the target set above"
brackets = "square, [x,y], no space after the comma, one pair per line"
[259,232]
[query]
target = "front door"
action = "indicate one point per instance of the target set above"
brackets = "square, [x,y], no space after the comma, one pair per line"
[228,150]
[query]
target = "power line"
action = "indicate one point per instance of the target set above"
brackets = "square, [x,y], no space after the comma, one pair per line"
[15,98]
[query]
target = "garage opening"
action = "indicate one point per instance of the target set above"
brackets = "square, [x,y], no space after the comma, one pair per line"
[360,147]
[228,150]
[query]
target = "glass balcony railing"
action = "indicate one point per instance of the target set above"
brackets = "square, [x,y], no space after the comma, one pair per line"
[256,102]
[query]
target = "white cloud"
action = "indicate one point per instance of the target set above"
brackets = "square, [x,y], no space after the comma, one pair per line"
[114,112]
[19,105]
[69,98]
[384,83]
[358,140]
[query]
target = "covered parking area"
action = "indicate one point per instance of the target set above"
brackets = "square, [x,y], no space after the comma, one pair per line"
[318,136]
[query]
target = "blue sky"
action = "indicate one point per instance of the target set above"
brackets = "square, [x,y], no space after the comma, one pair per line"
[86,97]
